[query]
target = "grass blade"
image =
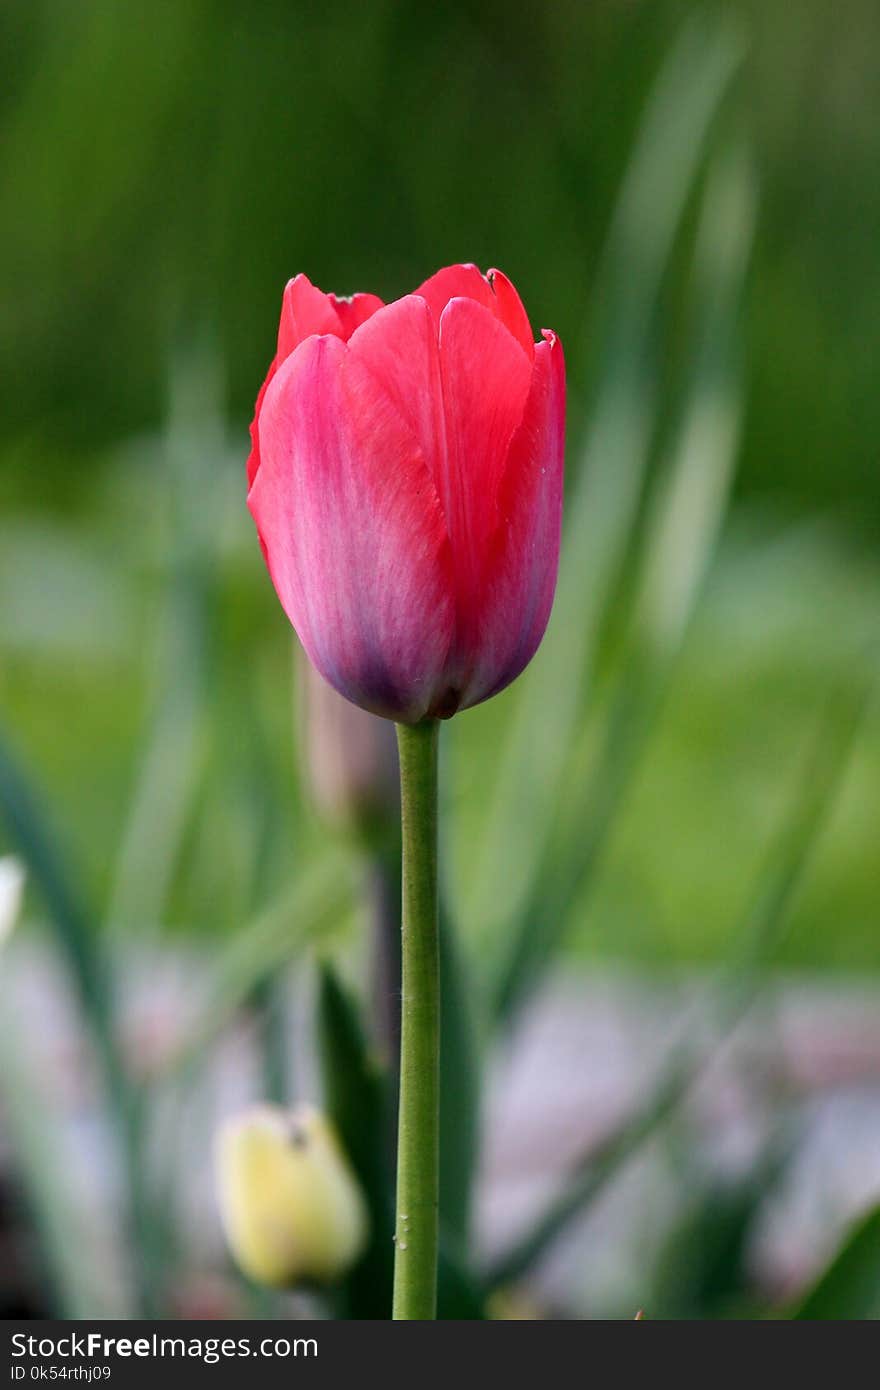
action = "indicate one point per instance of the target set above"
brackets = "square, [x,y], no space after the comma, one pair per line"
[28,829]
[601,511]
[756,939]
[72,1253]
[459,1090]
[357,1100]
[850,1286]
[310,913]
[683,525]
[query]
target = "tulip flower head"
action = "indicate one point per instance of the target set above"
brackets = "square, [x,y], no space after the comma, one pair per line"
[291,1206]
[405,478]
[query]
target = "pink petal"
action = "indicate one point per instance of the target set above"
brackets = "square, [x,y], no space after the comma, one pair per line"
[253,462]
[523,556]
[399,346]
[354,310]
[485,378]
[456,281]
[494,291]
[305,310]
[352,531]
[509,308]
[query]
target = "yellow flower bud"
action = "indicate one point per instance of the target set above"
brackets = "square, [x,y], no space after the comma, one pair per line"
[290,1203]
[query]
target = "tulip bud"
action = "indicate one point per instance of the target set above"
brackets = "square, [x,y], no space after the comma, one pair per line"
[405,478]
[291,1206]
[11,889]
[349,757]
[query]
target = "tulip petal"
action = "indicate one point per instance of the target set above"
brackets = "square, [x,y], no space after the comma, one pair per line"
[253,462]
[351,525]
[353,310]
[523,556]
[455,281]
[509,308]
[399,346]
[485,377]
[305,310]
[494,291]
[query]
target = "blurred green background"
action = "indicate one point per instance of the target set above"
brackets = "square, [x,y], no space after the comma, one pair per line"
[688,194]
[173,169]
[164,174]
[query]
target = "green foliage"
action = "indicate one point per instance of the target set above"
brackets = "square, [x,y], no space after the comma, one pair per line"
[360,1100]
[756,939]
[357,1099]
[187,166]
[73,1286]
[850,1285]
[702,1270]
[578,803]
[29,833]
[459,1089]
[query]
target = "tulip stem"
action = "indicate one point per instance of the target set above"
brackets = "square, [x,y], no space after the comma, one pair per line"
[415,1258]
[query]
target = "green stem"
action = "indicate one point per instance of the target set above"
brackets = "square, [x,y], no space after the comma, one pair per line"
[415,1259]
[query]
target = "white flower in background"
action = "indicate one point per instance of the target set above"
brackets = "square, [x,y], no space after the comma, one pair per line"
[12,878]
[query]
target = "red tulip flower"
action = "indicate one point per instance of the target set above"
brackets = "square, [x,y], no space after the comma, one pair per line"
[406,483]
